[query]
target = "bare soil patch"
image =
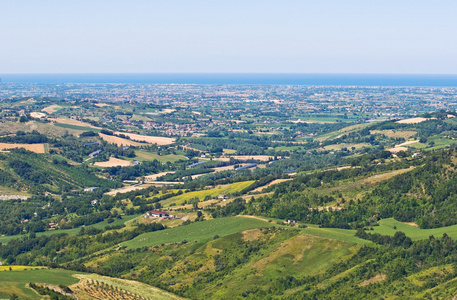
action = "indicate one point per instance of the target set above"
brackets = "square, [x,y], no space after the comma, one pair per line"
[397,149]
[378,278]
[37,115]
[113,162]
[129,189]
[251,235]
[51,109]
[155,176]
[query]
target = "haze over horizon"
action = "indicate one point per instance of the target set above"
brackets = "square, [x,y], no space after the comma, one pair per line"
[396,37]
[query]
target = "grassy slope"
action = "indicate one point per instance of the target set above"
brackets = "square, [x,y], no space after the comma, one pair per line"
[199,231]
[15,281]
[386,227]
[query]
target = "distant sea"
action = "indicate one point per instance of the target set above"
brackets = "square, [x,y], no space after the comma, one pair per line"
[391,80]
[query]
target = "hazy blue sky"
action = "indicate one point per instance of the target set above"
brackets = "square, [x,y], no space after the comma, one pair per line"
[319,36]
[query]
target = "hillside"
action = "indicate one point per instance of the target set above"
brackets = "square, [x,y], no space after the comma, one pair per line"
[36,173]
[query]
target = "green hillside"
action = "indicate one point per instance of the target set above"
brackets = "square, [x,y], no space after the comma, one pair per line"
[37,173]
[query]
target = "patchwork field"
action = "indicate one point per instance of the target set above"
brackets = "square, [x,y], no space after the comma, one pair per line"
[37,148]
[395,133]
[159,140]
[101,225]
[228,189]
[113,162]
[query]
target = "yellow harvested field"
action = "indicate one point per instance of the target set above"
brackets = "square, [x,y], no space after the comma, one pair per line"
[51,109]
[257,157]
[414,120]
[155,176]
[72,122]
[407,143]
[159,140]
[113,162]
[37,148]
[118,140]
[37,114]
[397,149]
[260,188]
[101,104]
[129,189]
[395,133]
[344,145]
[401,147]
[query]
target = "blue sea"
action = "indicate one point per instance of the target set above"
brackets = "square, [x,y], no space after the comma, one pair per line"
[390,80]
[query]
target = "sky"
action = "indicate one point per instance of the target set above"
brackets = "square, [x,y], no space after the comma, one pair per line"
[213,36]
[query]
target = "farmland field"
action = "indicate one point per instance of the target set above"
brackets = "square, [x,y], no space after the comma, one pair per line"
[52,108]
[159,140]
[72,122]
[198,231]
[113,162]
[119,141]
[37,148]
[413,120]
[386,227]
[232,188]
[77,127]
[144,155]
[15,281]
[406,134]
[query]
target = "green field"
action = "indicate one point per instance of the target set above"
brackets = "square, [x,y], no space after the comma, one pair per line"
[386,227]
[232,188]
[346,235]
[101,225]
[199,231]
[15,281]
[76,127]
[145,156]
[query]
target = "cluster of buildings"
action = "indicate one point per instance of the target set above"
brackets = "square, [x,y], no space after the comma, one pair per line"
[157,214]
